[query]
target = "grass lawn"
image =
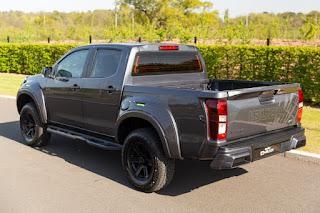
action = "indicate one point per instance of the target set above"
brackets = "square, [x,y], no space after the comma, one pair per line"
[311,122]
[9,85]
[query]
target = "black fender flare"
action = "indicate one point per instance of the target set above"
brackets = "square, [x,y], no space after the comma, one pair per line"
[34,91]
[162,121]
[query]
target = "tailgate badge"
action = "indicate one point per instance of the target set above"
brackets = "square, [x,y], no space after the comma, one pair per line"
[267,151]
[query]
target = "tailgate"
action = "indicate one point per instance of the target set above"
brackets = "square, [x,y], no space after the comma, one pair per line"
[261,109]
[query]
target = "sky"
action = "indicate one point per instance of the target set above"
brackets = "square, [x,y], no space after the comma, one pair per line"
[243,7]
[236,7]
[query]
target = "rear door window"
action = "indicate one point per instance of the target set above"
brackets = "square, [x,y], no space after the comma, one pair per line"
[106,63]
[157,63]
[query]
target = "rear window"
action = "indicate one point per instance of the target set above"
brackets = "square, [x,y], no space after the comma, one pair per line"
[158,63]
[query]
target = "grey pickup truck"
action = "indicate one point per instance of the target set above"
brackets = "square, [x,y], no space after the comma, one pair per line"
[155,103]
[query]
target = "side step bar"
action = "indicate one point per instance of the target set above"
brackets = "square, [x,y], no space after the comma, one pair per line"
[93,141]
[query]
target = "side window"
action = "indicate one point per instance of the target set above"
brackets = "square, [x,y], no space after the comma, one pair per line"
[72,66]
[105,63]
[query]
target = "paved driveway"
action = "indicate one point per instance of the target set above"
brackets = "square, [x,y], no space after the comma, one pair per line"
[71,176]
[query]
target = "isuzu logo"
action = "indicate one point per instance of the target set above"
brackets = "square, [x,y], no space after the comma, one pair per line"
[266,151]
[266,114]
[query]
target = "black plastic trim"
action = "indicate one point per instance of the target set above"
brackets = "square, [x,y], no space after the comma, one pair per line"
[233,155]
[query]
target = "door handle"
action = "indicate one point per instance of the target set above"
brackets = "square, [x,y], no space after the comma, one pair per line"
[110,89]
[75,87]
[62,79]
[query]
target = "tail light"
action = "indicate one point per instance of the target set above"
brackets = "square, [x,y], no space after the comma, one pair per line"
[300,93]
[217,114]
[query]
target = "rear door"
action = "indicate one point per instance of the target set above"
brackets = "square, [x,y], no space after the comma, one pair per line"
[102,90]
[261,109]
[63,93]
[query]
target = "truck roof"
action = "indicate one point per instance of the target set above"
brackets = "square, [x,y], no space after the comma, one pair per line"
[144,46]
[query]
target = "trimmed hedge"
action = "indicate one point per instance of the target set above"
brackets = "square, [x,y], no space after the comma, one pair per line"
[30,58]
[261,63]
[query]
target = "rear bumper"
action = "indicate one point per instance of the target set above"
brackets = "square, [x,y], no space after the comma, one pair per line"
[259,147]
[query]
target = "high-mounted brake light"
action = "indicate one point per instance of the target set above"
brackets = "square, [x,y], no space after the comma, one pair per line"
[300,93]
[217,114]
[168,47]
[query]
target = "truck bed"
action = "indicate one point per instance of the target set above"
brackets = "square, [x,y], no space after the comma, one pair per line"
[222,85]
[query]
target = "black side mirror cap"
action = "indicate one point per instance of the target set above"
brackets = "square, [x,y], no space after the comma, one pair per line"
[47,72]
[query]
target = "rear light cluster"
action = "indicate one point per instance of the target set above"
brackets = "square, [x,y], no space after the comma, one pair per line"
[300,93]
[217,114]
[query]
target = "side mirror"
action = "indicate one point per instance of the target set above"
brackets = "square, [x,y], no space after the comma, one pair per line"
[47,72]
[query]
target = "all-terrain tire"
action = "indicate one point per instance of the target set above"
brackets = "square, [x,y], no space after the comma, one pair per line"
[143,151]
[33,131]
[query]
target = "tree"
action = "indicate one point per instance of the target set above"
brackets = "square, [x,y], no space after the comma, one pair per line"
[188,6]
[147,8]
[162,12]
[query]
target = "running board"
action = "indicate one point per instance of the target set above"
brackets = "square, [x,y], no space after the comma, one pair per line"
[93,141]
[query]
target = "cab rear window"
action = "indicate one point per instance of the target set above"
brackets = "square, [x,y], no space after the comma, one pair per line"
[157,63]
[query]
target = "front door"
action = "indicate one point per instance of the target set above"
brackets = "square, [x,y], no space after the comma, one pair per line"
[102,91]
[63,93]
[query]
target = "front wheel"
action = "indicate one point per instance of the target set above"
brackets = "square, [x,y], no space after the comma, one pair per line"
[144,162]
[33,131]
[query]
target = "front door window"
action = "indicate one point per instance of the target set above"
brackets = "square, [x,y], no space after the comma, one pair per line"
[72,66]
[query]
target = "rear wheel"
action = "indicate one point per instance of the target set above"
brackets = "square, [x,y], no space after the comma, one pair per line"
[33,131]
[144,162]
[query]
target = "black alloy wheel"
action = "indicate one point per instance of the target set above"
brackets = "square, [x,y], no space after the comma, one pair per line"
[140,161]
[28,125]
